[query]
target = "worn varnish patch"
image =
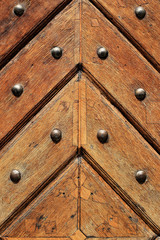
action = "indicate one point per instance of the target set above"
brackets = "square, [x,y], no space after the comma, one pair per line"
[53,213]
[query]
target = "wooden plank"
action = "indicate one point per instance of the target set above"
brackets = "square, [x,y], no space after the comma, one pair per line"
[14,29]
[53,213]
[36,69]
[35,155]
[121,73]
[144,33]
[103,213]
[122,156]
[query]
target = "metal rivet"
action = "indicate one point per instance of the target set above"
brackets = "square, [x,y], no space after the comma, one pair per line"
[56,52]
[102,53]
[140,12]
[141,176]
[157,238]
[56,135]
[15,176]
[102,136]
[140,94]
[17,90]
[18,10]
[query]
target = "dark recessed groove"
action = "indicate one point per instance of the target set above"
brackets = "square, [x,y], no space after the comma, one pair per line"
[19,209]
[123,195]
[31,34]
[126,34]
[144,133]
[37,107]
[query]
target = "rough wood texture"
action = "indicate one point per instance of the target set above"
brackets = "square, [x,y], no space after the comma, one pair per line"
[36,69]
[122,72]
[125,153]
[103,213]
[14,29]
[145,33]
[33,152]
[53,213]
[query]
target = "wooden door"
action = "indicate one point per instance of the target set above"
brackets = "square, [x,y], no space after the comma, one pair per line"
[80,119]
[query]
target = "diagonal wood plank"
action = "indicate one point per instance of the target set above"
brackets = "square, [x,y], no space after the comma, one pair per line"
[124,71]
[35,155]
[36,70]
[143,33]
[14,29]
[103,213]
[125,153]
[53,213]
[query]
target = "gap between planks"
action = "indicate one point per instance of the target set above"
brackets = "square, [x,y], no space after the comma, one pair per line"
[124,196]
[144,133]
[30,35]
[11,134]
[19,209]
[126,34]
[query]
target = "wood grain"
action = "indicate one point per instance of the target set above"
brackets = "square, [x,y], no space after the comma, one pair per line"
[121,73]
[145,33]
[104,214]
[14,29]
[125,153]
[53,213]
[33,152]
[36,69]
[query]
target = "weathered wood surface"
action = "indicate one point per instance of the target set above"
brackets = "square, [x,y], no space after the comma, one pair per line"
[57,213]
[145,33]
[36,69]
[53,213]
[122,72]
[103,213]
[33,152]
[123,155]
[14,29]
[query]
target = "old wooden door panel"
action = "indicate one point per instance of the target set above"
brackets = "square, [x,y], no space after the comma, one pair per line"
[54,212]
[124,154]
[57,212]
[33,152]
[144,33]
[103,213]
[124,71]
[14,29]
[36,69]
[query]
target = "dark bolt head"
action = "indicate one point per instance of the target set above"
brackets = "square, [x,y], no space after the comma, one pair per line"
[140,94]
[56,52]
[141,176]
[140,12]
[17,90]
[56,135]
[15,176]
[102,136]
[18,10]
[102,53]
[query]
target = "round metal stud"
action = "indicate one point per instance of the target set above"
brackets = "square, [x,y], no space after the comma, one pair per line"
[56,52]
[102,53]
[17,90]
[102,136]
[141,176]
[56,135]
[157,238]
[15,176]
[140,94]
[18,10]
[140,12]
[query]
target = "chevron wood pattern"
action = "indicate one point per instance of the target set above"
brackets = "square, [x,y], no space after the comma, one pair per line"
[78,187]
